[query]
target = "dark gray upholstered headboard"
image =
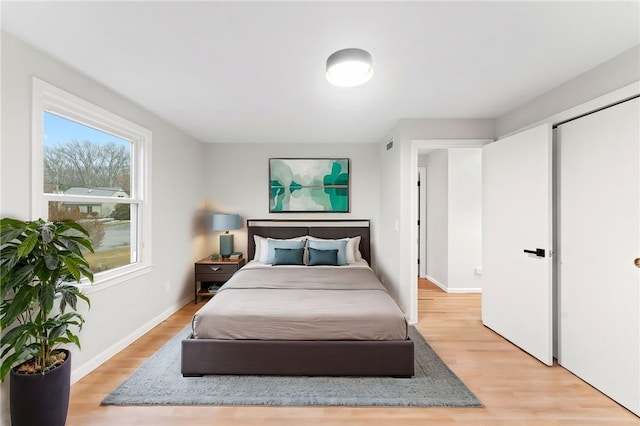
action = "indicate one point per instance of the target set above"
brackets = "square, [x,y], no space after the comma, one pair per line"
[329,228]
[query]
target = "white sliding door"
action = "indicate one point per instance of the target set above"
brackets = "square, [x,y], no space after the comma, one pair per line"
[599,239]
[517,216]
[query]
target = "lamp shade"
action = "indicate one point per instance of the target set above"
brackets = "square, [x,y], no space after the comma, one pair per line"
[349,67]
[226,222]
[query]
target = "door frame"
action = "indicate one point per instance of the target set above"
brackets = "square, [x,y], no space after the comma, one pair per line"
[422,227]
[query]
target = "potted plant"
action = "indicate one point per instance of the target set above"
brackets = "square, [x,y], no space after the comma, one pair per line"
[39,261]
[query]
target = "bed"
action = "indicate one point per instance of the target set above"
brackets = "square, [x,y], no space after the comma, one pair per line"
[283,318]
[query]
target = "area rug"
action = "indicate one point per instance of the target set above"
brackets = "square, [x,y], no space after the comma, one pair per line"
[159,382]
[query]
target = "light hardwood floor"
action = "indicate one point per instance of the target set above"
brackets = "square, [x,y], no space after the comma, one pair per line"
[514,388]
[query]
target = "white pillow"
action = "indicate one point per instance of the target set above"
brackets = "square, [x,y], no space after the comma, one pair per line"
[260,251]
[353,247]
[262,246]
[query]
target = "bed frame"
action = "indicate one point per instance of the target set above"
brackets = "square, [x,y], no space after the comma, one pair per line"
[300,358]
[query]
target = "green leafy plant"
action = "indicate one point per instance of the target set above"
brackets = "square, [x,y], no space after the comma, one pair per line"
[39,261]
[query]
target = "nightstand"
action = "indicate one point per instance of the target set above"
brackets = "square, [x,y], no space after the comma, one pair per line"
[211,274]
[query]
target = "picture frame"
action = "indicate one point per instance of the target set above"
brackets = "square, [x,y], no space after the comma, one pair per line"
[309,185]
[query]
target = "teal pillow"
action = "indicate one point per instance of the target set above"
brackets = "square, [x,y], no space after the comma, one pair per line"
[286,256]
[323,257]
[274,244]
[340,245]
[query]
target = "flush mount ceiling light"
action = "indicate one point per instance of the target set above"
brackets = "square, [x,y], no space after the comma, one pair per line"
[349,67]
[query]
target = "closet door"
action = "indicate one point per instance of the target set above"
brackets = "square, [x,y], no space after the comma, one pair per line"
[599,230]
[517,216]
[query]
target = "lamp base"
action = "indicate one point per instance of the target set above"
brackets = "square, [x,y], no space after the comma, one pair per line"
[226,245]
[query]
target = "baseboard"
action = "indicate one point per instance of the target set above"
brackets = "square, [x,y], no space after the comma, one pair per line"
[465,290]
[456,289]
[87,367]
[436,282]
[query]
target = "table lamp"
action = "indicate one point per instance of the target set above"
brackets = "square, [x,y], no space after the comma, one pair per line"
[226,222]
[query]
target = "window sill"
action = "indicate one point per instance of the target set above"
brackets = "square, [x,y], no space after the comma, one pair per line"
[113,278]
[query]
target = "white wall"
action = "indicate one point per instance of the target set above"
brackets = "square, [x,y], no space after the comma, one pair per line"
[122,312]
[454,217]
[465,219]
[237,181]
[614,74]
[389,255]
[437,164]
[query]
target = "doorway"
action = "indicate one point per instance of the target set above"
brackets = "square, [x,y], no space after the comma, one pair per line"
[448,216]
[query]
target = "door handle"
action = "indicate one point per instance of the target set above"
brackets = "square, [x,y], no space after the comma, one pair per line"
[538,252]
[637,262]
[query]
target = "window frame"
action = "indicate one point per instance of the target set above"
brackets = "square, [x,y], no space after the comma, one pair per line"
[49,98]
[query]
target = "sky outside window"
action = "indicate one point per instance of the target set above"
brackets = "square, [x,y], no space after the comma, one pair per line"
[58,130]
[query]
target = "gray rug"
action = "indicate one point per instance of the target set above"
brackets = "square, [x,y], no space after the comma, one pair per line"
[159,382]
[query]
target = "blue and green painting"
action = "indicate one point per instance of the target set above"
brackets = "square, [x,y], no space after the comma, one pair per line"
[308,185]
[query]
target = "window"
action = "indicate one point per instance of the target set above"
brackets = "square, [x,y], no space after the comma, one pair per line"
[91,166]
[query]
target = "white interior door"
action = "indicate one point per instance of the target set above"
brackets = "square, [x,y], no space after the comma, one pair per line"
[517,216]
[599,239]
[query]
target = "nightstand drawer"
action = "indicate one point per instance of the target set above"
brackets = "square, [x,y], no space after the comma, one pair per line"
[217,269]
[212,277]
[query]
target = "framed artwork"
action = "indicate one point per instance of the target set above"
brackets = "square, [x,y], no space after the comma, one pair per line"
[303,185]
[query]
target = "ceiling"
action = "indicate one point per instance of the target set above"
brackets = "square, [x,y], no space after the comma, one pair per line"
[254,71]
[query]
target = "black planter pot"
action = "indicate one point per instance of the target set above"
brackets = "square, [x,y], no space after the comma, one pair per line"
[41,399]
